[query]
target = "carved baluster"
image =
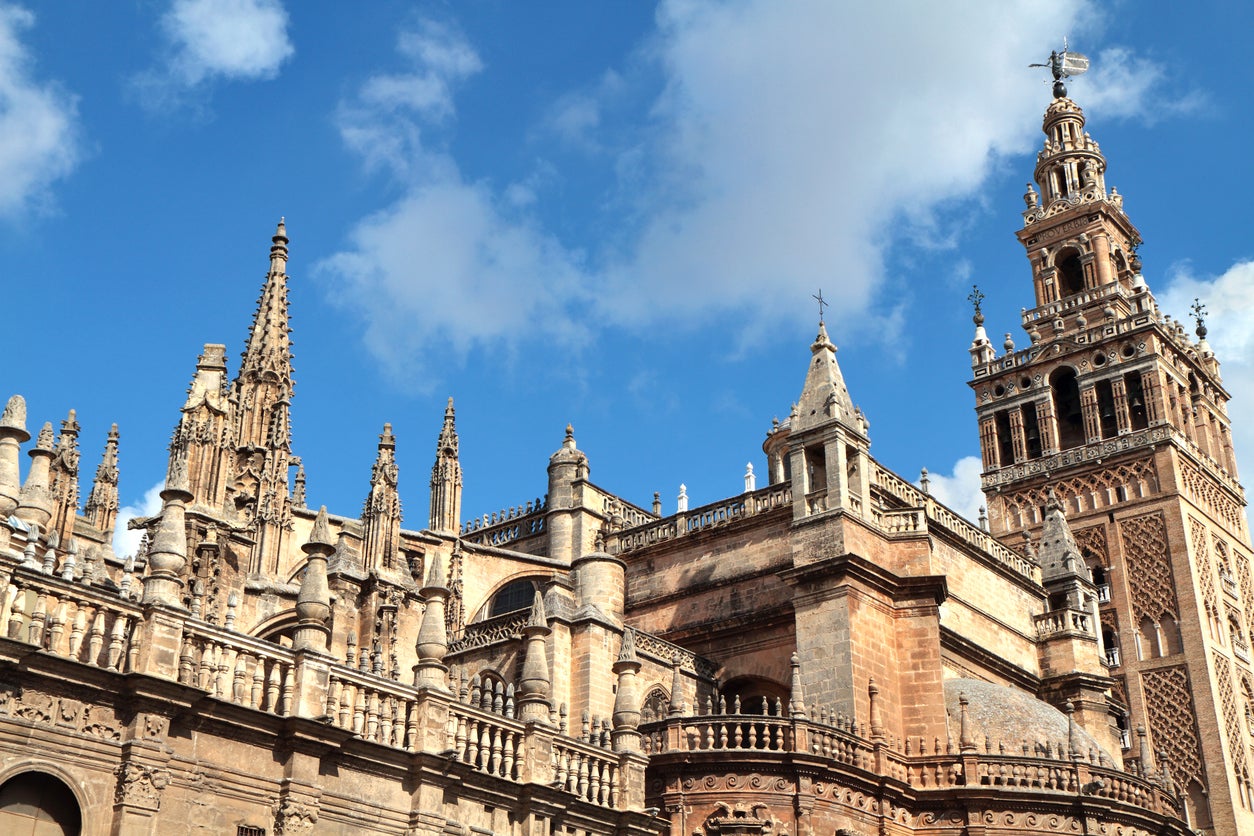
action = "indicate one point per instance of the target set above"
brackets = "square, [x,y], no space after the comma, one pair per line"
[359,709]
[259,683]
[95,637]
[560,763]
[485,746]
[372,715]
[238,685]
[57,627]
[472,742]
[203,666]
[272,688]
[346,706]
[117,637]
[511,742]
[132,643]
[38,619]
[411,726]
[582,786]
[185,657]
[614,789]
[594,782]
[224,665]
[459,739]
[494,764]
[285,704]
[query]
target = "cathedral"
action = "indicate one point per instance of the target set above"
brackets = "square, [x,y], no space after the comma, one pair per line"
[834,653]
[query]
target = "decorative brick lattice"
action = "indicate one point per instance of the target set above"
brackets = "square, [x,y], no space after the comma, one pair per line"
[1119,690]
[1149,566]
[1236,746]
[1169,704]
[1105,481]
[1092,543]
[1205,492]
[1205,567]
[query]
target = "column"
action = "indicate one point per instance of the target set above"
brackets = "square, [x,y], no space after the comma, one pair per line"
[1092,422]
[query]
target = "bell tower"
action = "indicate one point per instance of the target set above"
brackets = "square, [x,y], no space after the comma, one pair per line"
[1115,414]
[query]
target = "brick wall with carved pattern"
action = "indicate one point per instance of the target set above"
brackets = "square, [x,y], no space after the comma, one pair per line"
[1172,722]
[1092,542]
[1241,564]
[1148,566]
[1206,493]
[1236,743]
[1087,484]
[1205,568]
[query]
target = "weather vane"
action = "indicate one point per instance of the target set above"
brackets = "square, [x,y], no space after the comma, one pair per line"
[1199,316]
[822,304]
[1064,65]
[975,298]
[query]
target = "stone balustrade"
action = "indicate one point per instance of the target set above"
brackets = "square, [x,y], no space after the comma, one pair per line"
[1063,622]
[704,518]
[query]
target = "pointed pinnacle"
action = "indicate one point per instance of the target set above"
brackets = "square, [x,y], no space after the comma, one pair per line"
[538,617]
[628,651]
[435,575]
[321,534]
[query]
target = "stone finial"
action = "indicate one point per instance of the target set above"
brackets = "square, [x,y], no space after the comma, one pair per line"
[677,687]
[796,702]
[35,503]
[925,482]
[1073,749]
[298,489]
[12,435]
[877,723]
[432,644]
[965,742]
[167,555]
[682,502]
[535,687]
[13,420]
[626,700]
[313,602]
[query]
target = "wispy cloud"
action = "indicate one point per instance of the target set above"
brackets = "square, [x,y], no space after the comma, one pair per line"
[770,159]
[466,260]
[960,489]
[40,135]
[125,541]
[211,40]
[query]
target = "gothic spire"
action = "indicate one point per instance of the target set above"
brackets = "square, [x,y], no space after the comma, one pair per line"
[446,477]
[102,504]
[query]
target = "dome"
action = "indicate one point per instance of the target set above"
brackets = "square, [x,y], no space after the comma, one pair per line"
[1012,718]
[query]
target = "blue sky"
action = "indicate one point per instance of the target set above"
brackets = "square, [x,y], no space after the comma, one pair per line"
[609,214]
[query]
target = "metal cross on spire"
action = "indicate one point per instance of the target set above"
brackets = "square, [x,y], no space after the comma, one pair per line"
[822,304]
[1199,316]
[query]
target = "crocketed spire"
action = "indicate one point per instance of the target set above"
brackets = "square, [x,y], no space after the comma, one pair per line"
[446,477]
[824,396]
[102,503]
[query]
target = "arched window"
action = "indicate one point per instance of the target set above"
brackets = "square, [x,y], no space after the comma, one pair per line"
[656,705]
[514,596]
[1070,272]
[757,695]
[1106,409]
[38,804]
[1066,393]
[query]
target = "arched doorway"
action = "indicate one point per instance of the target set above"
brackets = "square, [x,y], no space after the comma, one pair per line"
[37,804]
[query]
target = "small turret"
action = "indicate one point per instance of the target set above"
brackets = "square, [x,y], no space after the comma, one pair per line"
[431,672]
[167,556]
[626,700]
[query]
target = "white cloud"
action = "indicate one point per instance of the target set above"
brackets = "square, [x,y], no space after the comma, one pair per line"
[1229,300]
[960,490]
[207,40]
[39,129]
[791,145]
[125,541]
[467,262]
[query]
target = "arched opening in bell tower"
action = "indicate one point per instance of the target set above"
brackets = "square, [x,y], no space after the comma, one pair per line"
[1066,393]
[1070,272]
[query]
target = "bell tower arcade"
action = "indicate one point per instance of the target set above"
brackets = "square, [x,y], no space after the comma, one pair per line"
[1122,415]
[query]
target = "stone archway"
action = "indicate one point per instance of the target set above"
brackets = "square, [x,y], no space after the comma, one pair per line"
[38,804]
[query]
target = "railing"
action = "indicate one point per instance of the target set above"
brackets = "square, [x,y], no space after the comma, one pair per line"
[504,533]
[907,494]
[238,669]
[586,771]
[700,519]
[1241,650]
[1063,621]
[1075,455]
[85,624]
[374,709]
[491,630]
[1229,584]
[1103,594]
[486,742]
[1112,657]
[909,521]
[1079,300]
